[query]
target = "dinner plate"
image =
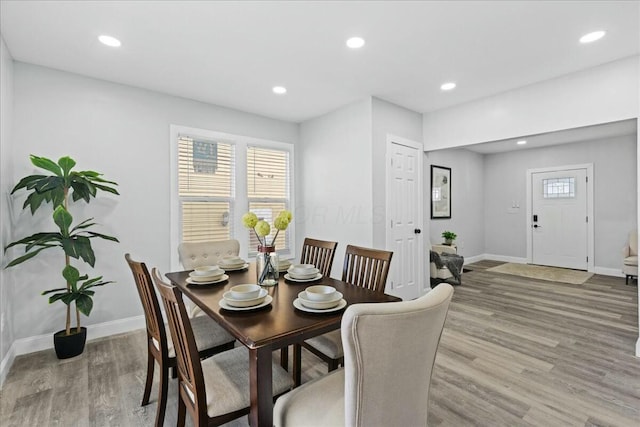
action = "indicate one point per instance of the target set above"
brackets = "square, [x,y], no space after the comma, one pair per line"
[298,304]
[245,302]
[240,267]
[223,304]
[196,282]
[319,305]
[317,277]
[302,276]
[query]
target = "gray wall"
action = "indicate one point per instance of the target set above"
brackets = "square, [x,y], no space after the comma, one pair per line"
[122,132]
[6,119]
[334,187]
[467,200]
[388,118]
[615,194]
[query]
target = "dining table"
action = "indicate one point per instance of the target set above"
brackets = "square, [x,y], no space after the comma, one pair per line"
[277,325]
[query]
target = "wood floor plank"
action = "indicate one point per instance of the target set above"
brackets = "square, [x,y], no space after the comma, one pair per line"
[514,352]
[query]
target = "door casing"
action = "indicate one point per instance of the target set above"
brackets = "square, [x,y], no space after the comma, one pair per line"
[590,223]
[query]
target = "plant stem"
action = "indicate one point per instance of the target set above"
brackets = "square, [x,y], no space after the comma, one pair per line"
[77,319]
[67,262]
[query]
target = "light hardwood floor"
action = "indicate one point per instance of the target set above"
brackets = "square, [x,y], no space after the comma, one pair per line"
[514,352]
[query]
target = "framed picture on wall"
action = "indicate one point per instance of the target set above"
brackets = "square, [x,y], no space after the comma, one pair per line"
[440,192]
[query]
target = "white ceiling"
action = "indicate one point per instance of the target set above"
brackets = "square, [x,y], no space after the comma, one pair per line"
[232,53]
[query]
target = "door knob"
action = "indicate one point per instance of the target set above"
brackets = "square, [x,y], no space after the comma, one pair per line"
[417,231]
[537,226]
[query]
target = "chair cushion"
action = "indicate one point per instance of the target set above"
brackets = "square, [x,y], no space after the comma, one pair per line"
[631,260]
[317,403]
[226,381]
[207,332]
[329,344]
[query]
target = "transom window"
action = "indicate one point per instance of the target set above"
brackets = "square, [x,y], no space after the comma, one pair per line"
[556,188]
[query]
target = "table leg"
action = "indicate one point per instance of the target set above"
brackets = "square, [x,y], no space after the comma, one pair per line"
[297,364]
[284,358]
[260,379]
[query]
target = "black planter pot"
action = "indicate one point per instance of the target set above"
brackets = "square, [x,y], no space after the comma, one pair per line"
[69,345]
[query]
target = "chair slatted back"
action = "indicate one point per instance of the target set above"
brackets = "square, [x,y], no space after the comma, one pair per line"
[367,268]
[319,253]
[188,361]
[152,313]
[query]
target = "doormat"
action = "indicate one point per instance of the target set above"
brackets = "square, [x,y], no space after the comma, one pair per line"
[552,274]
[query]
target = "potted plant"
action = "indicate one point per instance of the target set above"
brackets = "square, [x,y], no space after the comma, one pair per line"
[449,237]
[74,241]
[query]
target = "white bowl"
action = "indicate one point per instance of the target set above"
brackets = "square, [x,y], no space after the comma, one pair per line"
[245,292]
[231,260]
[320,293]
[320,305]
[302,268]
[207,270]
[245,302]
[310,275]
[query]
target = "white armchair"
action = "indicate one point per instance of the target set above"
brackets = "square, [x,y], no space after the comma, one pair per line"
[630,257]
[442,273]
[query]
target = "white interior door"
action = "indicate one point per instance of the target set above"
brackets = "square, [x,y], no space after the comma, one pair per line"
[559,222]
[404,214]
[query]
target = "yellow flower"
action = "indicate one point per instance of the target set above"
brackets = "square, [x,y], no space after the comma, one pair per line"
[249,219]
[281,223]
[286,214]
[263,228]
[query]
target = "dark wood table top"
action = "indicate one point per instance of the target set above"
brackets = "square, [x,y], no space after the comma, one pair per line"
[280,323]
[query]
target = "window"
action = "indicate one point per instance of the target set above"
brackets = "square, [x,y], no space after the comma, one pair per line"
[217,178]
[557,188]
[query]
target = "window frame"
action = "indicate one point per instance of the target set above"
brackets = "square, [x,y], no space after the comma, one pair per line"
[239,202]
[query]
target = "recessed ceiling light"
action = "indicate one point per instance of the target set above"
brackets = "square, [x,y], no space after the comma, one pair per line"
[280,90]
[355,42]
[109,41]
[591,37]
[448,86]
[521,142]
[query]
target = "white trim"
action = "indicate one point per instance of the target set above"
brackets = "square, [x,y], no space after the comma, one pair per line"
[590,211]
[45,342]
[241,202]
[472,259]
[606,271]
[393,139]
[638,347]
[505,258]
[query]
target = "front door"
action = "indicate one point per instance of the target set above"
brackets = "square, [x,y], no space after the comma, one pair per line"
[559,223]
[404,212]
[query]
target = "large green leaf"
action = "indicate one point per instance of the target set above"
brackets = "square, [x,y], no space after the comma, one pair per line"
[38,237]
[107,189]
[44,163]
[80,192]
[84,224]
[79,247]
[26,256]
[84,303]
[66,163]
[27,182]
[71,274]
[102,236]
[34,200]
[63,220]
[54,290]
[49,183]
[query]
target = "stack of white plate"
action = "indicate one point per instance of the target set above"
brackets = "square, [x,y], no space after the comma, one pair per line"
[232,262]
[207,274]
[303,273]
[320,297]
[283,265]
[242,296]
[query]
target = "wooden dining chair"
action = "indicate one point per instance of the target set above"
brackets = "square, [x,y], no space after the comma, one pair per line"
[364,267]
[210,337]
[214,390]
[389,355]
[319,253]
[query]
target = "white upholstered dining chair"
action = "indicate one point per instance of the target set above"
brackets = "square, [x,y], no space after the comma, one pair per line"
[198,254]
[389,353]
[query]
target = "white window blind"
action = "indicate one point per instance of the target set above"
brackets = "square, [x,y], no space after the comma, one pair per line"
[205,189]
[268,190]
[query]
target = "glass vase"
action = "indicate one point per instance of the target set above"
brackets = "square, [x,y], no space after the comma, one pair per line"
[267,266]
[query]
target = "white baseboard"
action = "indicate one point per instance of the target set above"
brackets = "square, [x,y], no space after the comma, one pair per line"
[638,347]
[45,342]
[505,258]
[472,259]
[608,271]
